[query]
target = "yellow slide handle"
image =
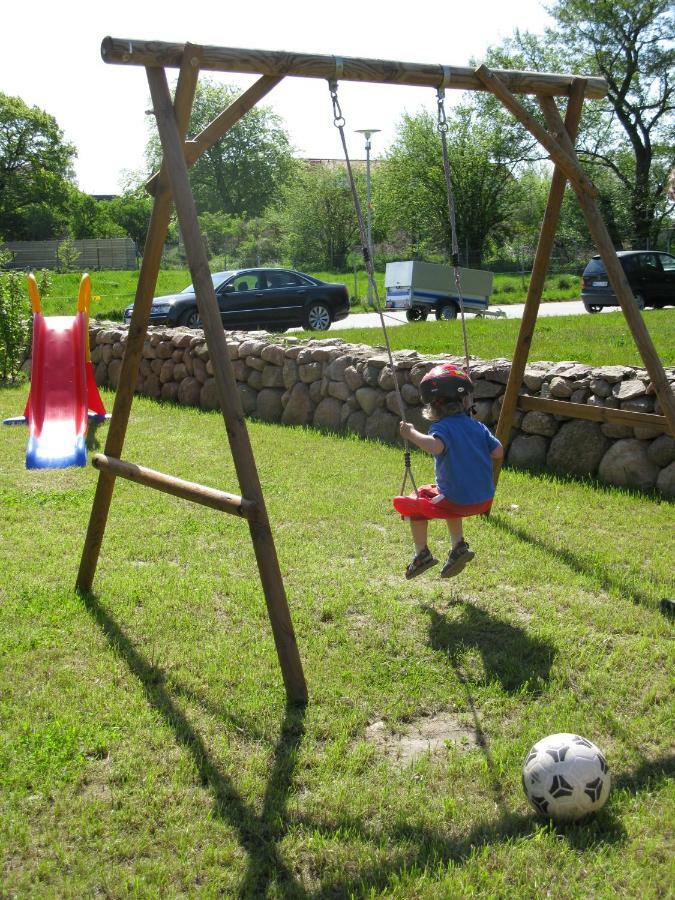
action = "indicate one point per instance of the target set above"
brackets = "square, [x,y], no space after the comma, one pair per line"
[83,302]
[34,294]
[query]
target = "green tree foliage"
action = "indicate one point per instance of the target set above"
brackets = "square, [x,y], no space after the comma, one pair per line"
[318,218]
[35,172]
[412,194]
[15,319]
[628,140]
[131,212]
[243,172]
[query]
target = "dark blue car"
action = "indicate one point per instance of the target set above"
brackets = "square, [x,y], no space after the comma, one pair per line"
[271,299]
[651,275]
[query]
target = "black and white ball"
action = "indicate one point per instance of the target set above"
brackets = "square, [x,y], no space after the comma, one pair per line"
[566,777]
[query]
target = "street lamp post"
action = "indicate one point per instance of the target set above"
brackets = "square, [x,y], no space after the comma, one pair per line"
[367,132]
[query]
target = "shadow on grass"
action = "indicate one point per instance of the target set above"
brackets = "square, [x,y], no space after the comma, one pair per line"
[408,848]
[258,834]
[519,662]
[606,579]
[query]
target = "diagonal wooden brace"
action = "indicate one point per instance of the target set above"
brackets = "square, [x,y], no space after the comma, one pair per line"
[221,124]
[560,155]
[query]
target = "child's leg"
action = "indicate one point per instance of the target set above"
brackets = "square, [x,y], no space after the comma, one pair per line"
[423,558]
[460,554]
[419,529]
[456,532]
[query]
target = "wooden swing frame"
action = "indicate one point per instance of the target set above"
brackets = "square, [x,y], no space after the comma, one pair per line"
[171,186]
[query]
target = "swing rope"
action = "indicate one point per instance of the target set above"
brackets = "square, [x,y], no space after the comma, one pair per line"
[367,250]
[442,126]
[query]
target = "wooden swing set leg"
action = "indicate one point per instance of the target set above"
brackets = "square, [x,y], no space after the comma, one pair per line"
[147,281]
[538,276]
[242,453]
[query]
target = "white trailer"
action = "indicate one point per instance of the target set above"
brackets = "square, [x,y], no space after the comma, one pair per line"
[420,288]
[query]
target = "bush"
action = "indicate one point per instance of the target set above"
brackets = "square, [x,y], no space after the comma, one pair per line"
[16,321]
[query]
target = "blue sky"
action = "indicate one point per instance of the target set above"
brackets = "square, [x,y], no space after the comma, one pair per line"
[51,58]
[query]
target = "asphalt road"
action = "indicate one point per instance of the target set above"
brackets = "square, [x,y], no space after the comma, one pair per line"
[514,311]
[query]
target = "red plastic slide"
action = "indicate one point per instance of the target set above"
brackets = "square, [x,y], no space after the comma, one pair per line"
[57,406]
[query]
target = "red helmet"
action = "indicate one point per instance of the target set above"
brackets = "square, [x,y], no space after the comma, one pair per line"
[445,382]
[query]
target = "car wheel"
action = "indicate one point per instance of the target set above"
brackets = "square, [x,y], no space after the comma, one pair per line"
[640,301]
[592,308]
[318,317]
[190,318]
[415,314]
[446,311]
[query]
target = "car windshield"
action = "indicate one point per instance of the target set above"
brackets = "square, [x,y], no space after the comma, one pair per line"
[217,278]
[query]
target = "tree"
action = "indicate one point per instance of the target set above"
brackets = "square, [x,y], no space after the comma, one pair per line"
[318,216]
[242,173]
[483,162]
[629,136]
[35,172]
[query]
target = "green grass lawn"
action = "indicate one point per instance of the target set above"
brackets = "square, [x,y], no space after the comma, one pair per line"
[598,340]
[145,746]
[112,291]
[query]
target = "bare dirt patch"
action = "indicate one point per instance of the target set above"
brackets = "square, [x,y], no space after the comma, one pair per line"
[428,735]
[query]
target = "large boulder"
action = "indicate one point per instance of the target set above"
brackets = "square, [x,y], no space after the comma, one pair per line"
[665,483]
[299,408]
[577,448]
[528,451]
[328,414]
[626,464]
[662,450]
[269,408]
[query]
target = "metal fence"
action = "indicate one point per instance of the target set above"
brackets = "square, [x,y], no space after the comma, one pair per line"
[100,253]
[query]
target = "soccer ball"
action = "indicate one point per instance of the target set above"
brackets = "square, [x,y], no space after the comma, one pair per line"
[566,777]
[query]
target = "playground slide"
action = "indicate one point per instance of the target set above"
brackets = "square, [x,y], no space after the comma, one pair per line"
[57,407]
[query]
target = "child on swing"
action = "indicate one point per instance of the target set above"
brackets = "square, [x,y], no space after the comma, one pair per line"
[463,450]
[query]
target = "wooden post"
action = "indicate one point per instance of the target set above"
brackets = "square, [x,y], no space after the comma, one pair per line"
[261,533]
[538,276]
[147,280]
[616,274]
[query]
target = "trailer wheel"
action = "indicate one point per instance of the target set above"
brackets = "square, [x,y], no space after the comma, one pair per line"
[446,311]
[415,314]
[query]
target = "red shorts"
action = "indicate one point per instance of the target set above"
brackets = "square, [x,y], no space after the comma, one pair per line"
[430,504]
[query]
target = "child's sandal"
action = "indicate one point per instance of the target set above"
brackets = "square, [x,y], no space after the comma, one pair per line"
[421,562]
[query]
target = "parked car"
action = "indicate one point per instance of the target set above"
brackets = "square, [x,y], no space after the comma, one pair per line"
[650,274]
[272,299]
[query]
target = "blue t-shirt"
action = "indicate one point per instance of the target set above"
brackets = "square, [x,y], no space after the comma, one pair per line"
[464,468]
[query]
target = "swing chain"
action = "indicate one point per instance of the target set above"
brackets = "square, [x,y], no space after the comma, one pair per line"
[339,122]
[338,118]
[442,119]
[443,131]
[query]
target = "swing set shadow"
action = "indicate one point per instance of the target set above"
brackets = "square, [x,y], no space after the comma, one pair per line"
[589,568]
[260,834]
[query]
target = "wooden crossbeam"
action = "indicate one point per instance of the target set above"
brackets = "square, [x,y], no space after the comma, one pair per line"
[168,484]
[593,413]
[124,51]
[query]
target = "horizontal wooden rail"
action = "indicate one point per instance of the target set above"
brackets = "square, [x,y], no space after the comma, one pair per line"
[187,490]
[593,413]
[378,71]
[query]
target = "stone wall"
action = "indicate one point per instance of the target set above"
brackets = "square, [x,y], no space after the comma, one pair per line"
[333,385]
